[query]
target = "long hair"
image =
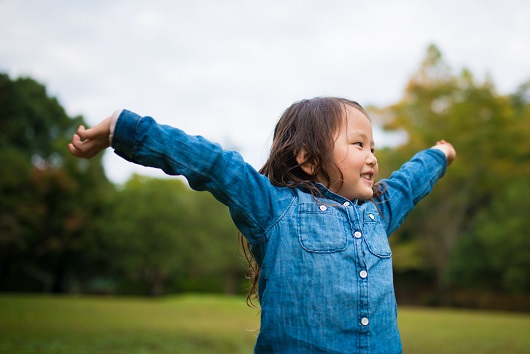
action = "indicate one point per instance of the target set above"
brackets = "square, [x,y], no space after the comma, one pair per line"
[311,125]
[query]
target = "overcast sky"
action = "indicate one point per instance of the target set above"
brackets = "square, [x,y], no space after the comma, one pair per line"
[226,69]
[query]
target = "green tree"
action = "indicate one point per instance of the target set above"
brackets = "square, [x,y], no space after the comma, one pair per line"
[218,254]
[46,208]
[160,232]
[494,255]
[489,132]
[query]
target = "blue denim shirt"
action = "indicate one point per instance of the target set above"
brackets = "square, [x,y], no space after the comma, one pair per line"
[326,272]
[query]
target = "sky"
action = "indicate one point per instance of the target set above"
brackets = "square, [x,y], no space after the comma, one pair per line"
[228,69]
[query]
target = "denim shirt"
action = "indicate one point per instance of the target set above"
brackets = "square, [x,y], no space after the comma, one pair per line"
[326,271]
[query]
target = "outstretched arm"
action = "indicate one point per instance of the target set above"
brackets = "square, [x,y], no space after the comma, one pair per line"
[87,143]
[413,181]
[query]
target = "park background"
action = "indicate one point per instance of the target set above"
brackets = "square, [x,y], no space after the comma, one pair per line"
[100,228]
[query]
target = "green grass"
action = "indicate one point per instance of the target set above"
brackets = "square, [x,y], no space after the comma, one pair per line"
[444,331]
[82,325]
[216,324]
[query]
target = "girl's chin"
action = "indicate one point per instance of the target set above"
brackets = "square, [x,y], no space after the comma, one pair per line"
[368,195]
[363,194]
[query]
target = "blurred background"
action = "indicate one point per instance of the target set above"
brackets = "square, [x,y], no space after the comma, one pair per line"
[425,70]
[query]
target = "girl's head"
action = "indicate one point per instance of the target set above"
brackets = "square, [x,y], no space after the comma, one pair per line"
[327,140]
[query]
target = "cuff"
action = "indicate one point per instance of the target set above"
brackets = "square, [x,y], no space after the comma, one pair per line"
[113,119]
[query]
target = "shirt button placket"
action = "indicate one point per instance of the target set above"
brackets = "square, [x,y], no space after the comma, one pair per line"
[363,298]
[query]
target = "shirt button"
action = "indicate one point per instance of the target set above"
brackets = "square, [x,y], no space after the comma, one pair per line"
[365,321]
[363,274]
[357,234]
[323,208]
[346,204]
[371,216]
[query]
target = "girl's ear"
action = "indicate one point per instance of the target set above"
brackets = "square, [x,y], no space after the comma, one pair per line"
[307,166]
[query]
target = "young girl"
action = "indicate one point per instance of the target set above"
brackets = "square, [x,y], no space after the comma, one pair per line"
[315,219]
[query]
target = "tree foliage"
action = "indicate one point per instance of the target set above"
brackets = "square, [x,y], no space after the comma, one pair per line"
[46,208]
[490,133]
[159,230]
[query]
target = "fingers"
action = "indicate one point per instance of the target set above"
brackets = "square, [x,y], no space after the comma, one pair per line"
[78,153]
[78,144]
[72,150]
[83,132]
[76,147]
[86,134]
[83,154]
[87,143]
[83,148]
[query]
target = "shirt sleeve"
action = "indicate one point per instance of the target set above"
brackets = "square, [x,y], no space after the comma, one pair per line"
[408,185]
[206,165]
[113,119]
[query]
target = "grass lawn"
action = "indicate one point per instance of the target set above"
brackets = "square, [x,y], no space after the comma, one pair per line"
[217,324]
[444,331]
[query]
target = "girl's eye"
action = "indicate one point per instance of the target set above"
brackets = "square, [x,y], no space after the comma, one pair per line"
[359,143]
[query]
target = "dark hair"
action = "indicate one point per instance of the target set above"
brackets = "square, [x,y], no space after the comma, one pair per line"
[311,125]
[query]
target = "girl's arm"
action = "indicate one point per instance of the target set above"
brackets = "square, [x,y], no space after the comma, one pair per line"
[248,194]
[413,181]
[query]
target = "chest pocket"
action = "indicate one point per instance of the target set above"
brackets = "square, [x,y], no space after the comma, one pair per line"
[322,228]
[375,236]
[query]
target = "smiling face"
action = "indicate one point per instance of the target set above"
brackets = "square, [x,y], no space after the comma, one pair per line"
[353,154]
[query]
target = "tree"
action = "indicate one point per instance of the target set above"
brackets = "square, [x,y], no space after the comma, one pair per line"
[46,208]
[217,243]
[488,131]
[494,255]
[159,231]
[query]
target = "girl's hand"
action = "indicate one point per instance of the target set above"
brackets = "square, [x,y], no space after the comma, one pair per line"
[87,143]
[447,149]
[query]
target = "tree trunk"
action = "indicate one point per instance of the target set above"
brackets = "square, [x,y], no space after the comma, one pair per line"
[59,281]
[230,284]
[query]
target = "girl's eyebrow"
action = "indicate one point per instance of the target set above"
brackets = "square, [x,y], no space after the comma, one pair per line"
[358,133]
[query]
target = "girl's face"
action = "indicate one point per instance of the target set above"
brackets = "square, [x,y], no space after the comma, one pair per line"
[353,154]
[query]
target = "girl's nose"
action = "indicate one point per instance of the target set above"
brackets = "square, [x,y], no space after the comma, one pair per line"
[371,160]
